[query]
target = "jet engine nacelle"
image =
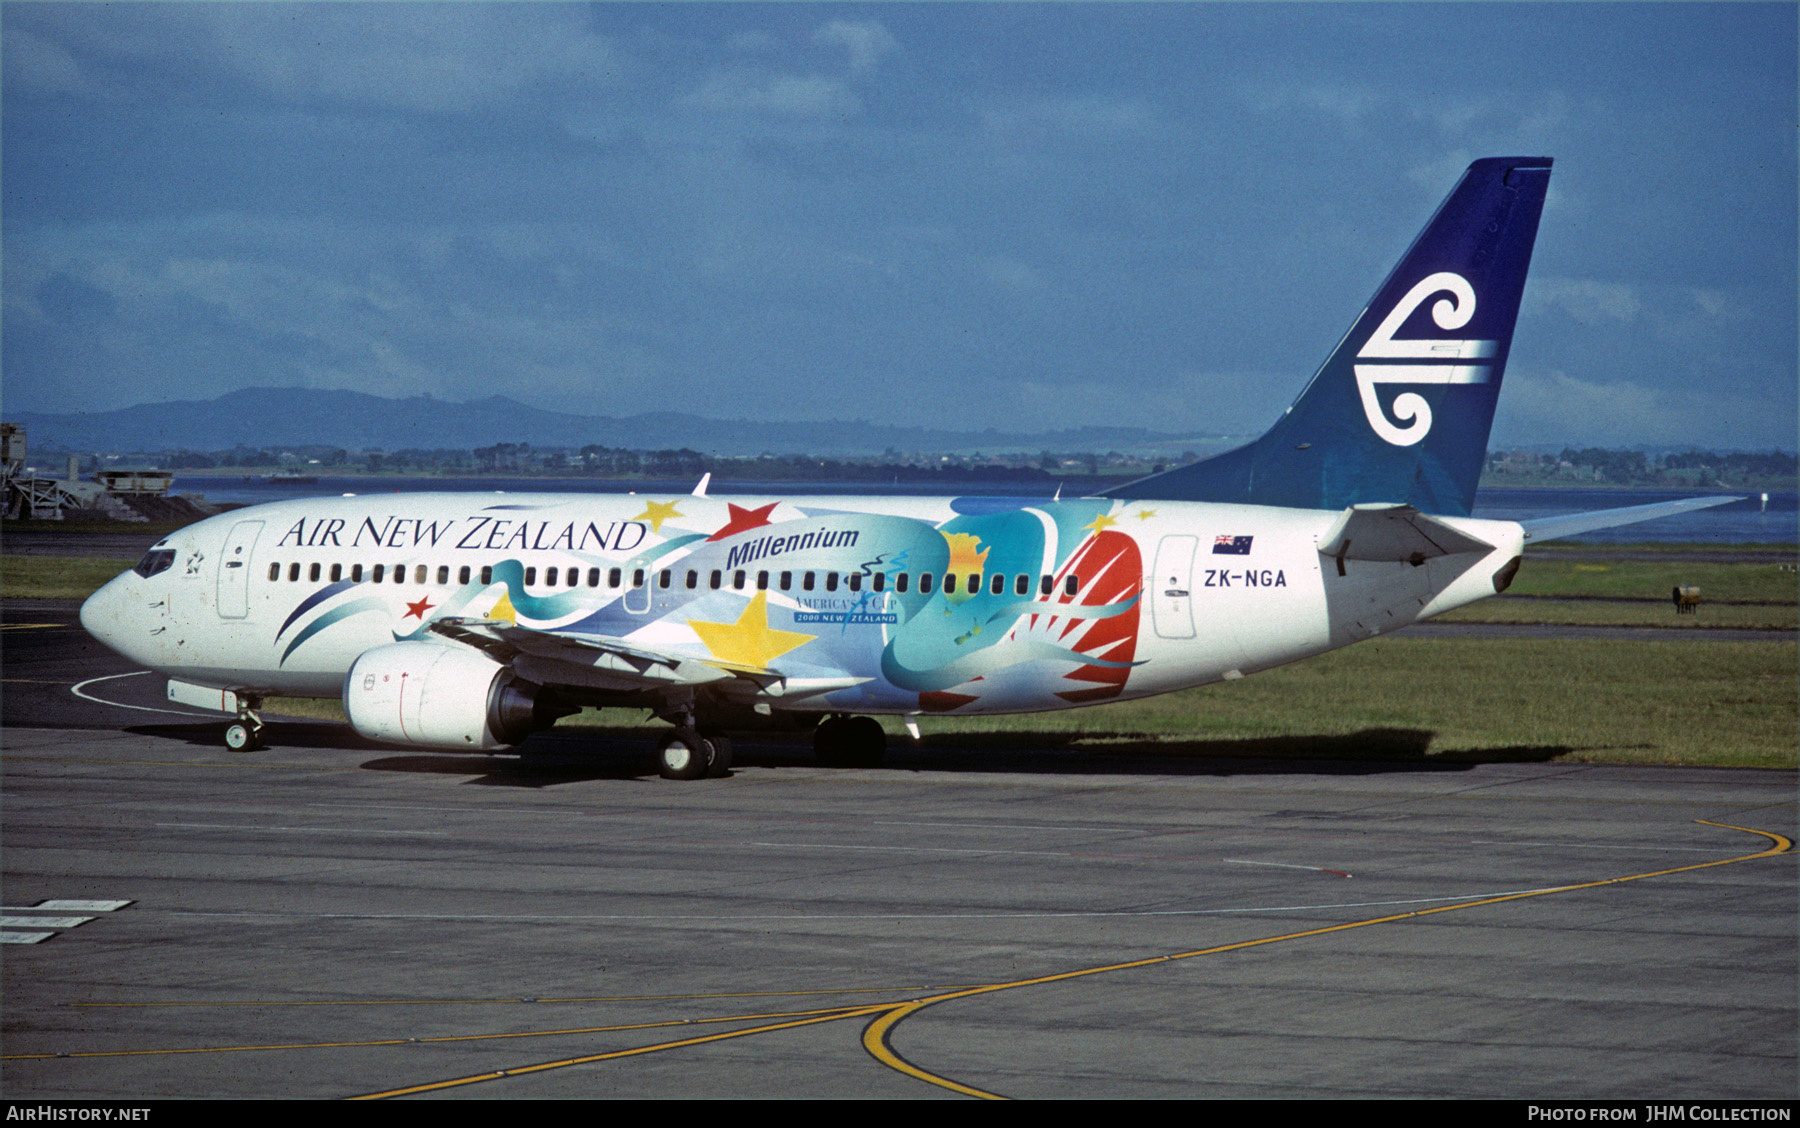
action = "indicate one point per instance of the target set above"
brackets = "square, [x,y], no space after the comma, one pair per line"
[438,695]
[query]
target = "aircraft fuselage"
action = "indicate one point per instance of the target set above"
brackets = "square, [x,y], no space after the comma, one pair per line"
[888,605]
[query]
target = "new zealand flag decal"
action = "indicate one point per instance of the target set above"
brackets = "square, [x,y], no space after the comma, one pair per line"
[1231,546]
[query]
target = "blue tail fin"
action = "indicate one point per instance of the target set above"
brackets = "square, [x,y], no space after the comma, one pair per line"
[1400,412]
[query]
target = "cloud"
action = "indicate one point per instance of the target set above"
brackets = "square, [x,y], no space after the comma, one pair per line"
[1587,300]
[1717,305]
[810,96]
[1348,104]
[437,58]
[753,42]
[36,64]
[1529,121]
[865,40]
[1553,407]
[1011,273]
[1082,115]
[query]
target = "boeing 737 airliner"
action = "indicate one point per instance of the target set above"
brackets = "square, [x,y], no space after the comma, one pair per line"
[470,621]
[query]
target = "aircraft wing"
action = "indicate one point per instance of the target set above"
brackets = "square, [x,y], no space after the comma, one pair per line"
[604,663]
[1540,529]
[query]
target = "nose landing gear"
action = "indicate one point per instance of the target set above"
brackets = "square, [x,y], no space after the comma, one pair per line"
[246,733]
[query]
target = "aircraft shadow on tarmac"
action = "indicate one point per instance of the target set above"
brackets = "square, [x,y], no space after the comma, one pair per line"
[554,758]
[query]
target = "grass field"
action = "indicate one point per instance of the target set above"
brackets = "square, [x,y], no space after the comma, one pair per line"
[1719,704]
[56,577]
[1652,579]
[1568,700]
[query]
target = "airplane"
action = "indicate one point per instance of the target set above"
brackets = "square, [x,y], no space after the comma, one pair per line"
[471,621]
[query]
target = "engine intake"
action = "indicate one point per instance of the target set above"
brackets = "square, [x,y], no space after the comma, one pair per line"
[436,695]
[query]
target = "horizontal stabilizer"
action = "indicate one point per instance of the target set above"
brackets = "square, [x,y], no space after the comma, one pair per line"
[1553,528]
[1393,532]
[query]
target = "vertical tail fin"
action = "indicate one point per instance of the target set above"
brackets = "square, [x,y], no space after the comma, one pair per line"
[1400,411]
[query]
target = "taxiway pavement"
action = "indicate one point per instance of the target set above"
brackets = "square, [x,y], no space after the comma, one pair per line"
[331,919]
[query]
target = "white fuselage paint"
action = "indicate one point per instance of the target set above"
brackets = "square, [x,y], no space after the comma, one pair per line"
[226,613]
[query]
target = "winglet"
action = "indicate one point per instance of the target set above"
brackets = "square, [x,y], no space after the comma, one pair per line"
[700,490]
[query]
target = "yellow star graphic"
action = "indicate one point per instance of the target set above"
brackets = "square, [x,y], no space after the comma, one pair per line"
[750,641]
[656,512]
[1100,523]
[1145,514]
[502,611]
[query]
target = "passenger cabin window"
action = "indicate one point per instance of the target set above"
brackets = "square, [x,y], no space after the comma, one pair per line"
[356,573]
[880,582]
[419,573]
[1071,585]
[312,574]
[737,580]
[593,577]
[1022,586]
[399,573]
[337,572]
[293,573]
[550,575]
[637,577]
[713,581]
[762,581]
[806,582]
[530,577]
[1045,585]
[787,580]
[274,569]
[831,579]
[612,577]
[900,583]
[856,581]
[998,587]
[924,583]
[664,578]
[462,574]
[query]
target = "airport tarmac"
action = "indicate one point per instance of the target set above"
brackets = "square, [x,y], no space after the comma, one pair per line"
[332,919]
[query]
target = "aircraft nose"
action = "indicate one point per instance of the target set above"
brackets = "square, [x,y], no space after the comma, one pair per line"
[101,611]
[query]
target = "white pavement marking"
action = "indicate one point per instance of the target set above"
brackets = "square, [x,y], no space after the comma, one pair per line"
[41,922]
[76,690]
[10,926]
[79,906]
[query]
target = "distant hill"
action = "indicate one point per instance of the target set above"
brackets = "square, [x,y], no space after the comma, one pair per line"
[277,417]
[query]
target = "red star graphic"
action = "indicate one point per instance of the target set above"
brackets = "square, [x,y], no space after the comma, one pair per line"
[418,609]
[743,520]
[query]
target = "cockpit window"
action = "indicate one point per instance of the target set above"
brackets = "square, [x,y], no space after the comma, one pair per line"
[154,561]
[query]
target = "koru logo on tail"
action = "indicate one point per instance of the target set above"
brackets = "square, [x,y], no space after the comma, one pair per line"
[1424,362]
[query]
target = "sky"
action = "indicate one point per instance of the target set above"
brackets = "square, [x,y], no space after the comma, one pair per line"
[1012,215]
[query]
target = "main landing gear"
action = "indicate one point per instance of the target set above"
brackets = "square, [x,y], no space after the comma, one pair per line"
[685,754]
[246,733]
[849,742]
